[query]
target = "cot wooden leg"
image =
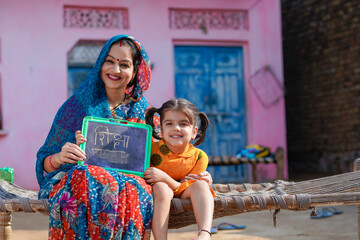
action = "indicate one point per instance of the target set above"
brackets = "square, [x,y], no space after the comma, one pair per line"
[254,171]
[279,156]
[357,168]
[5,226]
[358,207]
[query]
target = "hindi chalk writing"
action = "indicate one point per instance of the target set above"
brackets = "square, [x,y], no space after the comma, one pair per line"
[116,146]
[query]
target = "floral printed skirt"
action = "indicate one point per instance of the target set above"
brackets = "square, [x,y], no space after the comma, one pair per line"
[89,202]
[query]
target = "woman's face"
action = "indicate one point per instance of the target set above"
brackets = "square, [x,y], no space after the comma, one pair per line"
[118,69]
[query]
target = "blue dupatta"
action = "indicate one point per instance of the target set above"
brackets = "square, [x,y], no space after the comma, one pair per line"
[90,100]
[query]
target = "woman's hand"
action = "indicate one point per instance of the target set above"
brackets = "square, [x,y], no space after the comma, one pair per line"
[70,153]
[154,175]
[201,176]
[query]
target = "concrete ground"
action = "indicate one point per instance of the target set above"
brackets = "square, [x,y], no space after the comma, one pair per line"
[290,225]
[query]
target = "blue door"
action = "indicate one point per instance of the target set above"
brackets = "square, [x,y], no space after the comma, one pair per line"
[212,78]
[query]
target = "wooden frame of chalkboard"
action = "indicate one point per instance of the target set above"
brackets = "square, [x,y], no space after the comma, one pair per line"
[117,144]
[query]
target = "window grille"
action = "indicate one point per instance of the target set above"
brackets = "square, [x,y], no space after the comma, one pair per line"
[85,53]
[81,59]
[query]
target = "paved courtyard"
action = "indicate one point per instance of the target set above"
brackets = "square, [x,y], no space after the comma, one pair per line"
[290,225]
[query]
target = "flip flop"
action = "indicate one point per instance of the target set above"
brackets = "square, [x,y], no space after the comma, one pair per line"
[334,210]
[324,213]
[213,230]
[229,226]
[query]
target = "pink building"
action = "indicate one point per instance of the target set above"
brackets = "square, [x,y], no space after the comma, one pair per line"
[225,56]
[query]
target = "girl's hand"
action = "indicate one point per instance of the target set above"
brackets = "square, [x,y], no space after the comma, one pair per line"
[201,176]
[79,138]
[154,175]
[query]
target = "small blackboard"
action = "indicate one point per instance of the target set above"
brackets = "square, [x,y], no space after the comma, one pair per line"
[117,144]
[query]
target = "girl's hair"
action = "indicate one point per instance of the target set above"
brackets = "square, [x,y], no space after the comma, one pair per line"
[135,52]
[186,107]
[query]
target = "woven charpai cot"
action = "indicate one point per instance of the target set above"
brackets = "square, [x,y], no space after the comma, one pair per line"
[231,199]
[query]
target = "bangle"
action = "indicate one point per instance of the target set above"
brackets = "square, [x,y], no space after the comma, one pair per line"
[52,166]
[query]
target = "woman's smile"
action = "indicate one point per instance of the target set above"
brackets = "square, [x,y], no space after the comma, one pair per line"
[113,77]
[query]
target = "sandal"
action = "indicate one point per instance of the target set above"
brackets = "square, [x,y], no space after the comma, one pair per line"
[332,209]
[324,213]
[229,226]
[213,230]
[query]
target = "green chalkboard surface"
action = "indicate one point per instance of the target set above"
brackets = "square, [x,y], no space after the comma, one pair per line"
[117,144]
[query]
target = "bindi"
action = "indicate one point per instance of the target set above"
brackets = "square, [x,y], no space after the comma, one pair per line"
[118,60]
[120,43]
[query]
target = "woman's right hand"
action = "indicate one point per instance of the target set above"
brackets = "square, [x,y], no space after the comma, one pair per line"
[70,153]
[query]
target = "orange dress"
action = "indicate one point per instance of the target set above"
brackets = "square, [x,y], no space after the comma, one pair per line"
[177,166]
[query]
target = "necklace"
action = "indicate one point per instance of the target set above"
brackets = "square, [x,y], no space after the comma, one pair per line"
[117,106]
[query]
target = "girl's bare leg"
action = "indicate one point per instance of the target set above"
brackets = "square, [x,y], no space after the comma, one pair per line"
[203,205]
[162,200]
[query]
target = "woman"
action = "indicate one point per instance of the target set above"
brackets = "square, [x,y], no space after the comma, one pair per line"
[87,202]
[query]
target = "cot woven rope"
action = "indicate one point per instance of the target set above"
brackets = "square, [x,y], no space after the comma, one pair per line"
[231,199]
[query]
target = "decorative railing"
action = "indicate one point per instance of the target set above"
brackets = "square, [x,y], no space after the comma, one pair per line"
[95,17]
[208,19]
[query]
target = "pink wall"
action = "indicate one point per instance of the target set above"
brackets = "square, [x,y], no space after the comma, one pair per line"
[33,66]
[267,126]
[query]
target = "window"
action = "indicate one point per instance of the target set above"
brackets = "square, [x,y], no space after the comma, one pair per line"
[80,61]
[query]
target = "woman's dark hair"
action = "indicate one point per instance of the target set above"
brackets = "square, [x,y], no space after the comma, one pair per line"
[186,107]
[136,60]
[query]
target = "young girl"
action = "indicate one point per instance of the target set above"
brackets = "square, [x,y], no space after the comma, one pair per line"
[173,158]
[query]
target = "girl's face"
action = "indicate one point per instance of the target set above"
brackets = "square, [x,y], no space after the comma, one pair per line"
[177,131]
[118,69]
